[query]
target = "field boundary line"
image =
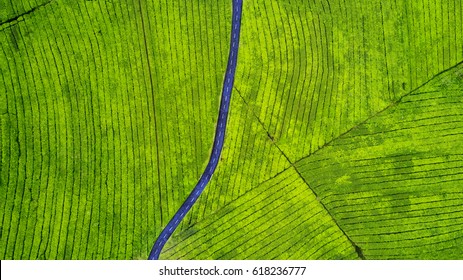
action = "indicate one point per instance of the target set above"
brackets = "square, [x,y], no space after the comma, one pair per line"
[384,110]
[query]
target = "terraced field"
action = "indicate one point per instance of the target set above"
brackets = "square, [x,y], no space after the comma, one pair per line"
[310,75]
[343,139]
[107,116]
[394,182]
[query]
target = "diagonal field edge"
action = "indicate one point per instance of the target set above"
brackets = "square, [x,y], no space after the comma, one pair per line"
[393,104]
[382,111]
[218,138]
[385,110]
[11,21]
[358,250]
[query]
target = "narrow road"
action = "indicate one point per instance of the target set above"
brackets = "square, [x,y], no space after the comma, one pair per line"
[218,139]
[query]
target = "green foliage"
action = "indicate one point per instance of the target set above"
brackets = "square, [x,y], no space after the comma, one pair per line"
[280,218]
[344,90]
[393,183]
[107,109]
[343,138]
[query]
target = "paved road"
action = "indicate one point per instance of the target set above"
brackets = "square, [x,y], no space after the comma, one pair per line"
[218,139]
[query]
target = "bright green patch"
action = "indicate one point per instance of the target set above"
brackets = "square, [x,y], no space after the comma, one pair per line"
[343,138]
[107,108]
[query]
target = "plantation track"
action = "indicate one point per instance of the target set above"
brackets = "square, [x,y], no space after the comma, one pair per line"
[310,74]
[219,135]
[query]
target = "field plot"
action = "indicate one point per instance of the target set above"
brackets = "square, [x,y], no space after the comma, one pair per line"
[312,73]
[311,70]
[394,183]
[343,139]
[107,117]
[279,219]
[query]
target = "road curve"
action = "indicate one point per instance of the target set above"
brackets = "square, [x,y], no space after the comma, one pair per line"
[218,139]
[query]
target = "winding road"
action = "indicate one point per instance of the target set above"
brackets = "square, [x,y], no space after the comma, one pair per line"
[218,139]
